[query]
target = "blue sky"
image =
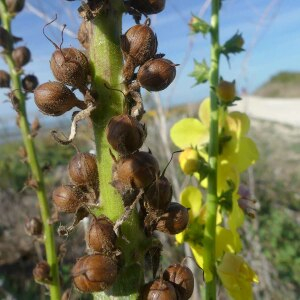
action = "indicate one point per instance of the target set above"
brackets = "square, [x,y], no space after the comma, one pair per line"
[270,29]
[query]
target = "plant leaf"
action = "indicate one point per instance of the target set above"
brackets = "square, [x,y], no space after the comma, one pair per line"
[201,72]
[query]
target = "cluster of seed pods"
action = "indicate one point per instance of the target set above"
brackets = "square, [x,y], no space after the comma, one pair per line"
[21,55]
[134,171]
[70,67]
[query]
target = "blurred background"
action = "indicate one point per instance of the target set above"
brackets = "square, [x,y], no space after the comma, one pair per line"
[267,75]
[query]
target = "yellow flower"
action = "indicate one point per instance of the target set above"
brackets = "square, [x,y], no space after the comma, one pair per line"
[236,276]
[189,161]
[224,243]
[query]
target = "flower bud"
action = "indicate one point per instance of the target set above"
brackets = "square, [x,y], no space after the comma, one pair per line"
[189,161]
[226,91]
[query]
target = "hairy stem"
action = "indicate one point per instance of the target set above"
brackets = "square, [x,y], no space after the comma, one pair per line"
[212,199]
[33,162]
[106,61]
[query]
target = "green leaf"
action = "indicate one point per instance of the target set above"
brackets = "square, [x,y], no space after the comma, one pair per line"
[189,132]
[198,25]
[201,72]
[191,197]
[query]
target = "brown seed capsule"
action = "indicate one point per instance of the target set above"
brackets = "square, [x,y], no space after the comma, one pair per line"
[101,236]
[6,39]
[15,6]
[70,66]
[83,35]
[148,7]
[156,74]
[54,98]
[159,290]
[41,272]
[125,134]
[94,273]
[138,45]
[21,56]
[29,83]
[182,278]
[83,169]
[66,295]
[68,198]
[34,226]
[174,220]
[135,171]
[4,79]
[158,195]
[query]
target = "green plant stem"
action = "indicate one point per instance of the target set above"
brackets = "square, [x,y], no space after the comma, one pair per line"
[106,61]
[212,199]
[28,141]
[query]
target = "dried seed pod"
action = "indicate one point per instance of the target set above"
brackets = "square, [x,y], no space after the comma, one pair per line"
[159,290]
[94,273]
[83,169]
[125,134]
[21,56]
[70,66]
[182,278]
[66,294]
[83,35]
[6,39]
[156,74]
[135,171]
[68,198]
[174,220]
[34,226]
[29,83]
[158,195]
[15,6]
[101,236]
[54,98]
[41,272]
[148,7]
[138,45]
[4,79]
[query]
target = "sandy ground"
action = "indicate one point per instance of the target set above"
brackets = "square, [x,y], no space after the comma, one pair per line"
[286,111]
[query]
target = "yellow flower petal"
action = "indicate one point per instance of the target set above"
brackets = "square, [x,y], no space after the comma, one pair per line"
[237,276]
[191,197]
[189,132]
